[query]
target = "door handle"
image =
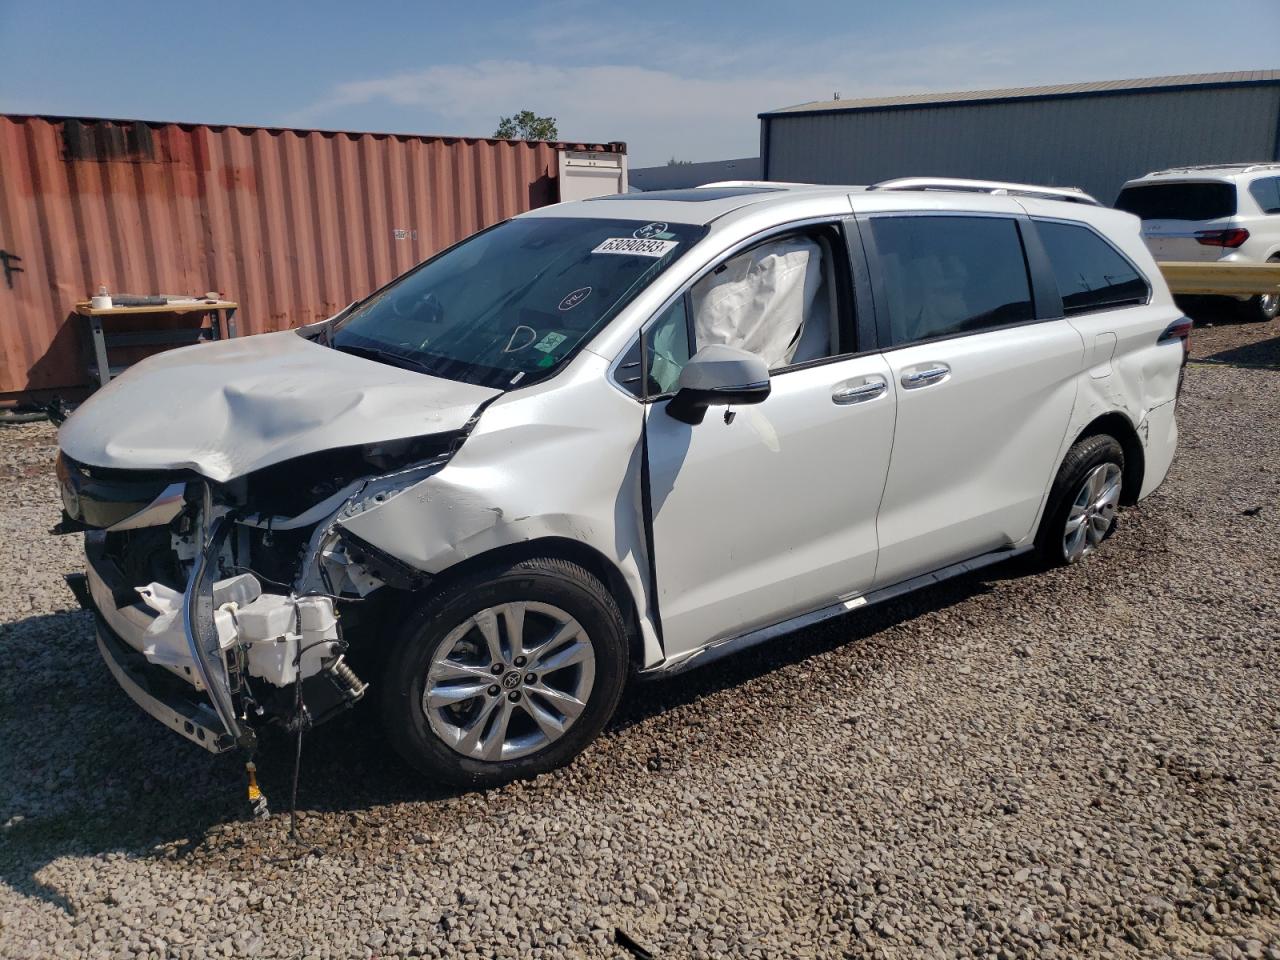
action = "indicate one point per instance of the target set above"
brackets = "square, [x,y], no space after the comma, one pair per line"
[925,378]
[860,394]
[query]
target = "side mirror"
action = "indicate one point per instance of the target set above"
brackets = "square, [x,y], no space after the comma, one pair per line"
[718,374]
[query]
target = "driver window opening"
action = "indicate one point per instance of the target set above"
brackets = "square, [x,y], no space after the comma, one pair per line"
[776,300]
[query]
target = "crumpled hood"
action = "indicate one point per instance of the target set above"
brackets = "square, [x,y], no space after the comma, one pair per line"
[228,408]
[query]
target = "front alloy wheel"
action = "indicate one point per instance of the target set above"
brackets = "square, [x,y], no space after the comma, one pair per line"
[505,673]
[509,681]
[1092,512]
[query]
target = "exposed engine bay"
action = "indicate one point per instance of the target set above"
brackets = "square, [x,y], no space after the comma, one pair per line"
[244,590]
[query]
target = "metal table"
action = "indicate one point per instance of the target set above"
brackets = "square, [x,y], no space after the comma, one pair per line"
[222,326]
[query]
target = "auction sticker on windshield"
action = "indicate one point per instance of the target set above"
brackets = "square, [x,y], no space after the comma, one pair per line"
[636,247]
[550,342]
[652,231]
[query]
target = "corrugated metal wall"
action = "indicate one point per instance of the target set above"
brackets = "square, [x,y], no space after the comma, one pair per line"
[292,224]
[1094,142]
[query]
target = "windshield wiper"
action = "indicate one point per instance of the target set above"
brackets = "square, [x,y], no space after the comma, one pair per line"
[382,356]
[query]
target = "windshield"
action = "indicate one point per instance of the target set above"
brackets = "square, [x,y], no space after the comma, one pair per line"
[1179,201]
[509,305]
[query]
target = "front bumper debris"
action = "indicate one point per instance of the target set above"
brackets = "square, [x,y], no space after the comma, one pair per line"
[205,659]
[145,684]
[171,694]
[202,634]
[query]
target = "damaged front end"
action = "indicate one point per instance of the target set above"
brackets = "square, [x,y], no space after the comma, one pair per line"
[224,607]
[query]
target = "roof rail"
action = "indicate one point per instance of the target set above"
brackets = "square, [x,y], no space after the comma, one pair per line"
[1242,167]
[1069,194]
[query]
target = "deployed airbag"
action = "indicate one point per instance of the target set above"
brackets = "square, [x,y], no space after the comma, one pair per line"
[759,301]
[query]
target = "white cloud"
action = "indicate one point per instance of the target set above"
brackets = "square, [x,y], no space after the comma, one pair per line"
[659,112]
[698,99]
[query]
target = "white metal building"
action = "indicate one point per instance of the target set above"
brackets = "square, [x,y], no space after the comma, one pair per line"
[1091,135]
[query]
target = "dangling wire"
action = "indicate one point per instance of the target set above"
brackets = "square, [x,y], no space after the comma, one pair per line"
[297,767]
[300,721]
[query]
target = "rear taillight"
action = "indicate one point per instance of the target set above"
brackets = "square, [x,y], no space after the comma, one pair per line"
[1180,329]
[1222,238]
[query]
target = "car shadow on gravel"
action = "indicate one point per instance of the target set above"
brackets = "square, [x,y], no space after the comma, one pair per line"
[126,785]
[348,766]
[83,772]
[1262,355]
[648,698]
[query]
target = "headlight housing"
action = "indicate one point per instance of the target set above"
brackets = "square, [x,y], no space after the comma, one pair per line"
[294,486]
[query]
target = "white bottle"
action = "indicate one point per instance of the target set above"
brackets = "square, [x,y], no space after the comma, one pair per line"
[101,300]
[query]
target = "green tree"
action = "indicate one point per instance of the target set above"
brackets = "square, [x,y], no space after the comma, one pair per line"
[526,125]
[673,162]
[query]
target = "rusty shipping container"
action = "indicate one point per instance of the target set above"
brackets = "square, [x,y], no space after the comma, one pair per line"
[292,224]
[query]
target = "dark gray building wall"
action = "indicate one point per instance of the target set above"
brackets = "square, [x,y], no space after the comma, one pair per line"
[693,174]
[1095,142]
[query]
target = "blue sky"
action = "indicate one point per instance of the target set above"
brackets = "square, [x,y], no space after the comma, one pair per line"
[683,79]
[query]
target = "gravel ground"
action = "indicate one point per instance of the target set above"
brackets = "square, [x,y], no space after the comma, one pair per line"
[1074,763]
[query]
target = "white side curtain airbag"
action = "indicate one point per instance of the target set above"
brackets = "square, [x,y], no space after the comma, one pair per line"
[759,301]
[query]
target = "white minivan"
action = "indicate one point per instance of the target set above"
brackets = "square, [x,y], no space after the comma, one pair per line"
[612,438]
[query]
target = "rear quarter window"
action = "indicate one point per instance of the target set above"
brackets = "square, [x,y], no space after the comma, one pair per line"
[1091,273]
[1179,201]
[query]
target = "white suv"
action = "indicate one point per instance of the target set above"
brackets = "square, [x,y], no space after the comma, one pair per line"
[1227,212]
[620,436]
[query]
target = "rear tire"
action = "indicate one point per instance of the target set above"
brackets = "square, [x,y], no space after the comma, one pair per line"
[1081,511]
[544,634]
[1261,309]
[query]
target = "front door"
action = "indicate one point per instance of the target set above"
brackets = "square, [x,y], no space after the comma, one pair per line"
[767,511]
[774,513]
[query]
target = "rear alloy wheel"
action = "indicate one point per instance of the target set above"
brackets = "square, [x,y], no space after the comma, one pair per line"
[1092,513]
[505,674]
[1083,503]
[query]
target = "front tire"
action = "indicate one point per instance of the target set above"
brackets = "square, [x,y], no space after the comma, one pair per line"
[1083,501]
[505,674]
